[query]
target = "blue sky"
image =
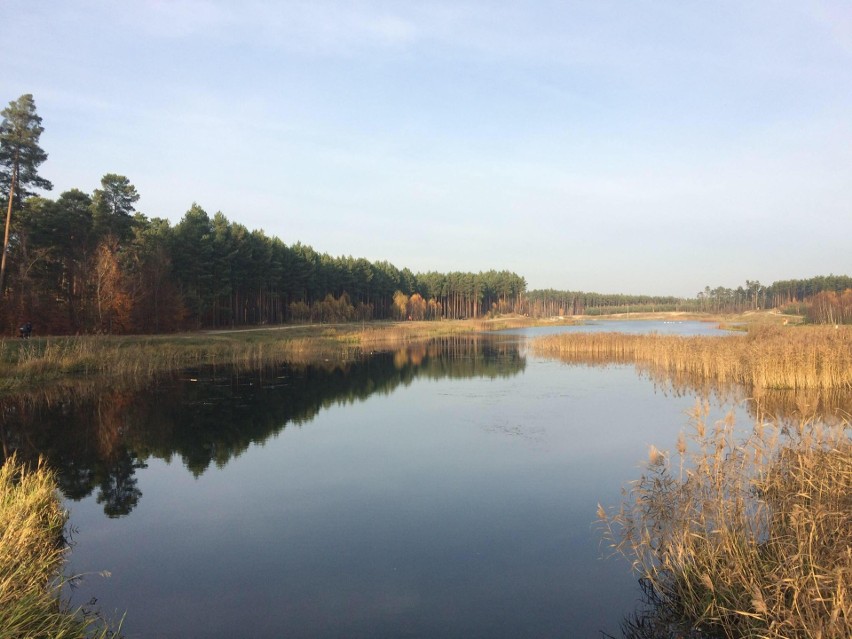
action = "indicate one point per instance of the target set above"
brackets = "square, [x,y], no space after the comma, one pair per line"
[636,146]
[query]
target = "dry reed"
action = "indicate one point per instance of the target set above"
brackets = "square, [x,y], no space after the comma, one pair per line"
[767,357]
[745,539]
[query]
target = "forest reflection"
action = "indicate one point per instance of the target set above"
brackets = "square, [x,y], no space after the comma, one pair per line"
[97,437]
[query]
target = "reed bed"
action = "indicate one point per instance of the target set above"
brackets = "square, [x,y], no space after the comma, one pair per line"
[32,556]
[748,539]
[767,357]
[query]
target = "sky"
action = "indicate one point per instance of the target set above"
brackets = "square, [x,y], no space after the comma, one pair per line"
[621,147]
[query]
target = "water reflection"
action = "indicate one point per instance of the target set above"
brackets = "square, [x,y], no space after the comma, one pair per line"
[785,406]
[658,618]
[830,406]
[444,509]
[97,438]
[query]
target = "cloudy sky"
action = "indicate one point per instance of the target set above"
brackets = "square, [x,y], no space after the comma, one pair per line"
[635,146]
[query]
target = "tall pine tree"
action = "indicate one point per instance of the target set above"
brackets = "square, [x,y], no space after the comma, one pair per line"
[20,157]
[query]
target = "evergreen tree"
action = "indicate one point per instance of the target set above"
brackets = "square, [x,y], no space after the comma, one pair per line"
[192,263]
[113,209]
[20,157]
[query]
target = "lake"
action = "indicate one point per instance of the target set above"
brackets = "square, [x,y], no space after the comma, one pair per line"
[444,490]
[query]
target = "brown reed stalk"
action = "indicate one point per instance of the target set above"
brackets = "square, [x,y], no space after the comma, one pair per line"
[766,358]
[746,539]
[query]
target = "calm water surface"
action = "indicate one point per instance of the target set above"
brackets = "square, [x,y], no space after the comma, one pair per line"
[625,326]
[440,492]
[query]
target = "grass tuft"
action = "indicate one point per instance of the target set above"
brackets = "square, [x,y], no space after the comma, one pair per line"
[32,556]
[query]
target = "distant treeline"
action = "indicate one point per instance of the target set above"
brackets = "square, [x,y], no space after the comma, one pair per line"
[90,263]
[822,299]
[84,263]
[550,303]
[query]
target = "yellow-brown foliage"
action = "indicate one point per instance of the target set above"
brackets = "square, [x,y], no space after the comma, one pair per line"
[766,358]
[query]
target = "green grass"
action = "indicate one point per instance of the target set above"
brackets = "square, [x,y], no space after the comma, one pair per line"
[745,538]
[32,557]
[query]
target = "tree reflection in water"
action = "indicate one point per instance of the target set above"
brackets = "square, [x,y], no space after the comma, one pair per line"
[118,491]
[97,438]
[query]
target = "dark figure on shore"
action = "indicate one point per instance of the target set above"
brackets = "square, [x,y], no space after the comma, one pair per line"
[26,330]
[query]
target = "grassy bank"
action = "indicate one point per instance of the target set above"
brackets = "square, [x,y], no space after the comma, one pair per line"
[24,363]
[767,357]
[32,556]
[743,539]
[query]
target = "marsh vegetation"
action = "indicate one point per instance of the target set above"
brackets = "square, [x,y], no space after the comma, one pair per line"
[742,538]
[767,357]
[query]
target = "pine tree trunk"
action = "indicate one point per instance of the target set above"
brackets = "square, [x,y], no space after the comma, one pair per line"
[8,224]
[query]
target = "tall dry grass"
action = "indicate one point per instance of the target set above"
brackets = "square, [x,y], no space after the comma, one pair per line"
[745,539]
[32,556]
[767,357]
[23,363]
[401,333]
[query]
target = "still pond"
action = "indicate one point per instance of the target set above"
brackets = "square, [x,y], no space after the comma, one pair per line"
[445,490]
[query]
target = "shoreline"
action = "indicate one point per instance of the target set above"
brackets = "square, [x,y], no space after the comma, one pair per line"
[25,364]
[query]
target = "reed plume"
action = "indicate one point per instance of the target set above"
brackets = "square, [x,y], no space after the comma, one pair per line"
[745,539]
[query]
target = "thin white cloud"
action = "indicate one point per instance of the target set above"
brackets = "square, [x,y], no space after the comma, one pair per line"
[315,26]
